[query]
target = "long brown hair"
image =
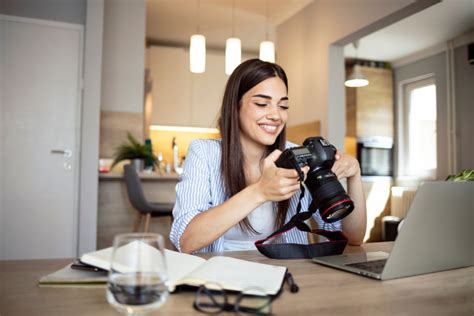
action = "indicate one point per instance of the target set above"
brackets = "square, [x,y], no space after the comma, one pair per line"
[247,75]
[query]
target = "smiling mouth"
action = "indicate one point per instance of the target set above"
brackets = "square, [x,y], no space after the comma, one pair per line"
[272,129]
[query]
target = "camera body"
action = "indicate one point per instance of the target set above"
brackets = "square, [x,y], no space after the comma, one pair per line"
[316,152]
[329,197]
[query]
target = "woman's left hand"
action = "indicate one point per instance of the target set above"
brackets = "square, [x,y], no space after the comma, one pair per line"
[345,166]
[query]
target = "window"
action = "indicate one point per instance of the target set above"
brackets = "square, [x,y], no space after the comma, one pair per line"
[417,144]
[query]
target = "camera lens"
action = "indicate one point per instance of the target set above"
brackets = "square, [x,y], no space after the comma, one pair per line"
[329,197]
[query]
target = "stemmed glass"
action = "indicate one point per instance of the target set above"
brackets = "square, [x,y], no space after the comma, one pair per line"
[138,281]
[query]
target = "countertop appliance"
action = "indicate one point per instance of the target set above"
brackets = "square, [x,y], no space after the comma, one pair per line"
[375,155]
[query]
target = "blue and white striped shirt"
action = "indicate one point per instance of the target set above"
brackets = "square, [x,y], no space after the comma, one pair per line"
[201,187]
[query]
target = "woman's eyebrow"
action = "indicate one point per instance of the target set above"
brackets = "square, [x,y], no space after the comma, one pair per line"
[268,97]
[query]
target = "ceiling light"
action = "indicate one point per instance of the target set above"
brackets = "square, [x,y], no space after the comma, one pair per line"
[356,79]
[267,51]
[233,50]
[232,54]
[197,48]
[197,54]
[267,48]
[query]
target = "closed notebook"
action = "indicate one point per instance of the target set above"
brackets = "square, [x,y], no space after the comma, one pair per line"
[188,270]
[68,277]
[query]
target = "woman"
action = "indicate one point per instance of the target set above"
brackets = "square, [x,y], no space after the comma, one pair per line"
[231,193]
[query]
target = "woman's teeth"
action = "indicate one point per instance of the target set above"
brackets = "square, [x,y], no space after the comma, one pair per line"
[269,128]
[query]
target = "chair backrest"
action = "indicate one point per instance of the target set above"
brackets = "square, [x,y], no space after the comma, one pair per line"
[135,190]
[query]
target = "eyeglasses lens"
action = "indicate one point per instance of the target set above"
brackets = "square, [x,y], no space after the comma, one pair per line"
[254,301]
[210,301]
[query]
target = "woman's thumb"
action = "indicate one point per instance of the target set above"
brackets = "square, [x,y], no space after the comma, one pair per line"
[274,155]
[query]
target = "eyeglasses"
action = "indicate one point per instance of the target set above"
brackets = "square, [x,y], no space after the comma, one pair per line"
[211,298]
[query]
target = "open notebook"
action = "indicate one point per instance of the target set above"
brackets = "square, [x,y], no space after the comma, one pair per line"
[184,269]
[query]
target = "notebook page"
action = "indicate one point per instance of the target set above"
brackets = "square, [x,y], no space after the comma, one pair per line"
[178,264]
[235,274]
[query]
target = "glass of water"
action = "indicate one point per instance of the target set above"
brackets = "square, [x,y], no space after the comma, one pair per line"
[138,281]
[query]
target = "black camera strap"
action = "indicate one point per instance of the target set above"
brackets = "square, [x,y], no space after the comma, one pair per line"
[334,246]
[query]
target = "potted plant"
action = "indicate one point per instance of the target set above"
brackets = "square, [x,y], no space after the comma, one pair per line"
[136,152]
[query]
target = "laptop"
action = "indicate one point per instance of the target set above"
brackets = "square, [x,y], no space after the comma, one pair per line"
[436,235]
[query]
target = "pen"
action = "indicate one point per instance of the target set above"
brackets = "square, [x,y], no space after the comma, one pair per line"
[85,268]
[78,265]
[291,282]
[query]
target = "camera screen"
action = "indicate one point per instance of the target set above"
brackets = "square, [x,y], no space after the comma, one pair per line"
[301,151]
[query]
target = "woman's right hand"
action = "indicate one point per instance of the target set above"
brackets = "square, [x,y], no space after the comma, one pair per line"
[277,184]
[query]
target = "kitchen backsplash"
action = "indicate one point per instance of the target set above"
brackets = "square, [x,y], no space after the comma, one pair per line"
[162,141]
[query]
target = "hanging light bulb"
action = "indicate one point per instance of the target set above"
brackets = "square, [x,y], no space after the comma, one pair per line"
[233,49]
[197,49]
[267,48]
[356,78]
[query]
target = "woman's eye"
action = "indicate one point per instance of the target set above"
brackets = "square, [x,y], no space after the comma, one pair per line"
[260,104]
[284,107]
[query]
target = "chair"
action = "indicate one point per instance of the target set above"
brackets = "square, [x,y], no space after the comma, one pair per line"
[137,198]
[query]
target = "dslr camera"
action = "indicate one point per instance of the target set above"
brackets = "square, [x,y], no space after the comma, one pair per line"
[329,197]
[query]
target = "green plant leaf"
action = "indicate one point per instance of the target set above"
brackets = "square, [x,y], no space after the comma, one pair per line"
[133,149]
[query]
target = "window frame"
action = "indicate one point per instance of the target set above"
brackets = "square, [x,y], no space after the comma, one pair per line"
[404,87]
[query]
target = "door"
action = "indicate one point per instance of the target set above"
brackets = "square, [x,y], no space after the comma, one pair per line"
[40,104]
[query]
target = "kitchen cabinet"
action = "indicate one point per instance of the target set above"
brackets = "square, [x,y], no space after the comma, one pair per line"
[182,98]
[369,109]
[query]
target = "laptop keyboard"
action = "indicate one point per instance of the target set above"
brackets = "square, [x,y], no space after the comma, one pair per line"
[375,266]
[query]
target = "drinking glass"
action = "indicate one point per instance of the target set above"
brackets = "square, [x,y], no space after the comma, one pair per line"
[138,281]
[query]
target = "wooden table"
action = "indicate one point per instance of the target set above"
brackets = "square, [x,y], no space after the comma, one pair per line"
[323,291]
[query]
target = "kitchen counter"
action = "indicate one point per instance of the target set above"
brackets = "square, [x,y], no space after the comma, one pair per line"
[143,175]
[115,213]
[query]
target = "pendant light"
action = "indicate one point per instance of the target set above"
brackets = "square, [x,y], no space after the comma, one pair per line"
[233,48]
[356,78]
[197,48]
[267,48]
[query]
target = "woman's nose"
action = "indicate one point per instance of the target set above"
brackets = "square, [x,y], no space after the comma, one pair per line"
[273,113]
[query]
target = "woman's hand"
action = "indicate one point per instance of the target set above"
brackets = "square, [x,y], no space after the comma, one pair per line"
[277,184]
[345,166]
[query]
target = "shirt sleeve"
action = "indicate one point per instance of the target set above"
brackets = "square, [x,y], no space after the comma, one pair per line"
[192,192]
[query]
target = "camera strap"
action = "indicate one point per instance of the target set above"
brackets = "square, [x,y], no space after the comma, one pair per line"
[334,246]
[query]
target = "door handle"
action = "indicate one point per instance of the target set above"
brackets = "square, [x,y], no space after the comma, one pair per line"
[65,152]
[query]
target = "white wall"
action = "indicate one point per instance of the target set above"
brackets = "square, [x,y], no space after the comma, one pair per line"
[303,51]
[88,192]
[436,65]
[2,238]
[123,67]
[70,11]
[464,82]
[183,98]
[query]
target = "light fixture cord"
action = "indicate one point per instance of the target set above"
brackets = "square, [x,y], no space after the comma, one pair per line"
[233,18]
[356,45]
[266,20]
[197,16]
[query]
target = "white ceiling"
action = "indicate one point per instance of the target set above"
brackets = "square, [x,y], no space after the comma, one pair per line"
[428,28]
[174,21]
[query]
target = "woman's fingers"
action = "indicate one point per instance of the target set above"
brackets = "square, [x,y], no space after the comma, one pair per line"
[345,167]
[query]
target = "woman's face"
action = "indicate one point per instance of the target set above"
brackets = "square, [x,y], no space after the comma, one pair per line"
[263,112]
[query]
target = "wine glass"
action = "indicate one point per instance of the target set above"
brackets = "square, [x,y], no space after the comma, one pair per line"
[138,280]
